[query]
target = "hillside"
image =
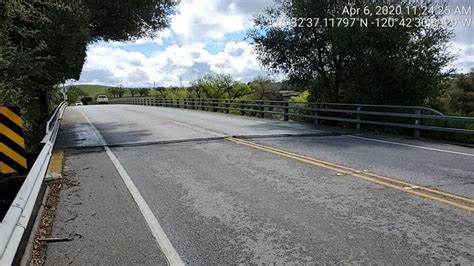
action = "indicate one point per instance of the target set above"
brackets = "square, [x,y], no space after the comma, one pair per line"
[93,90]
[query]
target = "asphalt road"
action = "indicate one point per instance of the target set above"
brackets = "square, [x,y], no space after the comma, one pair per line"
[219,202]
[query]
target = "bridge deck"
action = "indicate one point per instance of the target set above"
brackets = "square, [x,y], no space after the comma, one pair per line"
[217,201]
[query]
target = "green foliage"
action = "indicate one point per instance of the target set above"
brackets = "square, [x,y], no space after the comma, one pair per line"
[391,65]
[74,94]
[265,89]
[303,97]
[133,91]
[219,87]
[87,99]
[172,93]
[125,20]
[458,98]
[223,87]
[462,94]
[116,92]
[143,91]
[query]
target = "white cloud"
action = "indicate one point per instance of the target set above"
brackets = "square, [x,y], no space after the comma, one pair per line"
[158,39]
[203,21]
[464,61]
[113,65]
[197,27]
[198,21]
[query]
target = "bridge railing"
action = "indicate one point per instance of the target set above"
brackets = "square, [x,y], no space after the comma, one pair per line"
[18,215]
[417,118]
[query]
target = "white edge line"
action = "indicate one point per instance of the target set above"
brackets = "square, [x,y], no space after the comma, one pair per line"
[163,241]
[412,146]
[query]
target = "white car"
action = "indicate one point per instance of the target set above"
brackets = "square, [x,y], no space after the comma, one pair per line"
[78,103]
[102,99]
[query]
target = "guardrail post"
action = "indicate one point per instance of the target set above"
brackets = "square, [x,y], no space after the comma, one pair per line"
[359,108]
[227,106]
[241,107]
[417,122]
[214,102]
[285,111]
[261,109]
[185,103]
[316,114]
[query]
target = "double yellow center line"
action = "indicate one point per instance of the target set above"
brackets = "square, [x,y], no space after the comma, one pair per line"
[425,192]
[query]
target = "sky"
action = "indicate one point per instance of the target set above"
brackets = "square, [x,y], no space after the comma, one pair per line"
[206,37]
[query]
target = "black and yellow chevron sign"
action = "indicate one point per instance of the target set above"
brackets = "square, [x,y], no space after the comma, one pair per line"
[12,143]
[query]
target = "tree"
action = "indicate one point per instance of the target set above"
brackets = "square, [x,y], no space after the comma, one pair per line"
[29,69]
[264,89]
[458,98]
[238,90]
[116,91]
[219,87]
[462,94]
[133,91]
[74,94]
[161,91]
[113,91]
[144,91]
[120,92]
[366,64]
[125,20]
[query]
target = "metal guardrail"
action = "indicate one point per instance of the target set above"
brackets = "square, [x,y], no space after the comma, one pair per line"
[418,118]
[18,215]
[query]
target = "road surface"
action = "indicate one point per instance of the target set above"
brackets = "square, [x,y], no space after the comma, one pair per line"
[172,186]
